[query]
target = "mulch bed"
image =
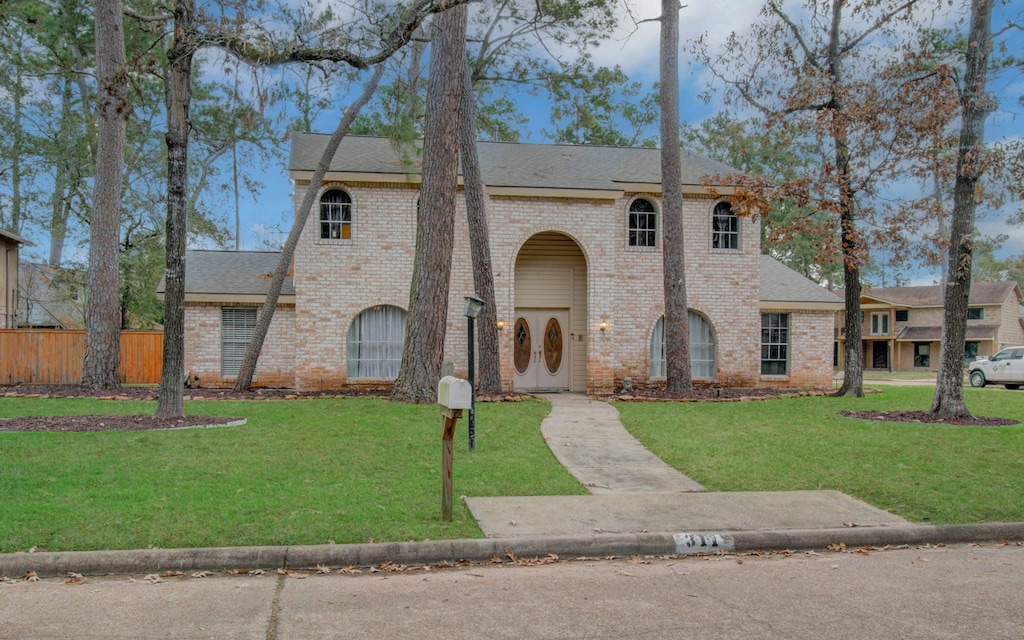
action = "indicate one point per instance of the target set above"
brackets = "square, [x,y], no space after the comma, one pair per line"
[142,423]
[704,393]
[67,424]
[114,422]
[925,417]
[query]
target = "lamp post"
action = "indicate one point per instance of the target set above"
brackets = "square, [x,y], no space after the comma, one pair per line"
[472,309]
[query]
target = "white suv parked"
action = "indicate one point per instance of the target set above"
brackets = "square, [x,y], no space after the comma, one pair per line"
[1006,367]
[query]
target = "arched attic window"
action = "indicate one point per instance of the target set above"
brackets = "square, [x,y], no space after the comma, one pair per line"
[335,215]
[643,224]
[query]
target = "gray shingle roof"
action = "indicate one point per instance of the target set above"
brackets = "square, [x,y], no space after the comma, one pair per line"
[505,164]
[231,272]
[779,283]
[934,334]
[931,296]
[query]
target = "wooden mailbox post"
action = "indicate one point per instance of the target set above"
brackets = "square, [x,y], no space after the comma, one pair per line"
[454,395]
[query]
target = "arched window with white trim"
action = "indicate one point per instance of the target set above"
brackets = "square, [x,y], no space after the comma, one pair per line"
[702,348]
[374,343]
[725,227]
[643,224]
[335,215]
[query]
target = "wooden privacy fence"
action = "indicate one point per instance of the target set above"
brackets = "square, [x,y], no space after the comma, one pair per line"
[54,356]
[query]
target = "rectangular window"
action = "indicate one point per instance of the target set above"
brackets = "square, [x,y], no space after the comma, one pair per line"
[975,313]
[880,324]
[642,231]
[902,315]
[237,325]
[922,354]
[774,344]
[970,352]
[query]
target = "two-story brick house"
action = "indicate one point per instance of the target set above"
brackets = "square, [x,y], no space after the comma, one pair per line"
[576,247]
[902,326]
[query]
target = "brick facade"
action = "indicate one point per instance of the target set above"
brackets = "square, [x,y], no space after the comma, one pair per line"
[337,279]
[276,365]
[610,322]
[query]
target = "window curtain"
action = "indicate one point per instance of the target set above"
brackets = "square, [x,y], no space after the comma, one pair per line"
[375,340]
[702,348]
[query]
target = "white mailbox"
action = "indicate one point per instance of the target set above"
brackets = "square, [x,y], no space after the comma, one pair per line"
[454,393]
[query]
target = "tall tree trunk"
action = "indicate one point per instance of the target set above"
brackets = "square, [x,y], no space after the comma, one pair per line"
[431,276]
[178,95]
[853,367]
[60,210]
[479,242]
[949,387]
[103,317]
[677,323]
[17,92]
[284,262]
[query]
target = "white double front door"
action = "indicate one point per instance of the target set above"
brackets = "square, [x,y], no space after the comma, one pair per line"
[540,348]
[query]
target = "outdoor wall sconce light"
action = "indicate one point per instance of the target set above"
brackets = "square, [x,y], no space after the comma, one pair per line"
[602,326]
[501,325]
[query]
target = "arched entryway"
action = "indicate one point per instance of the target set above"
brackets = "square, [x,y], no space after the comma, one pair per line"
[549,332]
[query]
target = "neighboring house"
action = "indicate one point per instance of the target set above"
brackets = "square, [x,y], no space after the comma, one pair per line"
[50,297]
[902,326]
[576,246]
[10,243]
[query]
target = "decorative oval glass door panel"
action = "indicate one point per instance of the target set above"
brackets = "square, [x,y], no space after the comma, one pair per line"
[522,348]
[553,346]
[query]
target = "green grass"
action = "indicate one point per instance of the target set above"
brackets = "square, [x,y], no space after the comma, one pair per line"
[353,470]
[923,472]
[299,472]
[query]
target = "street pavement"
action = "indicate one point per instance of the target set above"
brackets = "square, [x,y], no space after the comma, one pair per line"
[967,591]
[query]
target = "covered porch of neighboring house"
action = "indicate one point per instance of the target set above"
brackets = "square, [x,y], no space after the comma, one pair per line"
[917,348]
[877,352]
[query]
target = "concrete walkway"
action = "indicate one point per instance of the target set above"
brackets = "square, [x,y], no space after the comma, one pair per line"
[589,440]
[636,492]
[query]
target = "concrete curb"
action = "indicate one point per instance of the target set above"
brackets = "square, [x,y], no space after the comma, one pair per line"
[145,561]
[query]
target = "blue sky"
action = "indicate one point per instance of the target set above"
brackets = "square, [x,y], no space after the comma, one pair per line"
[636,50]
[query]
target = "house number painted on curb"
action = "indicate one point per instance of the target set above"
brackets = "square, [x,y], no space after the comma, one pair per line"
[694,543]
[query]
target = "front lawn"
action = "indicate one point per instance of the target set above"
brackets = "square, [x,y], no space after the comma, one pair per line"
[923,472]
[299,472]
